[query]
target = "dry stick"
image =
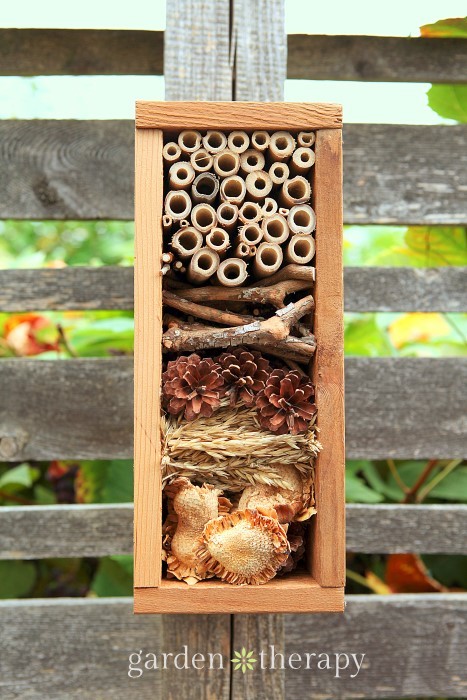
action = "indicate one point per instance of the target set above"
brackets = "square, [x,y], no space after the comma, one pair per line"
[207,313]
[270,331]
[274,295]
[290,272]
[293,349]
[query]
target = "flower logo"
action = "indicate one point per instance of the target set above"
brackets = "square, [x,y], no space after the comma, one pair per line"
[243,660]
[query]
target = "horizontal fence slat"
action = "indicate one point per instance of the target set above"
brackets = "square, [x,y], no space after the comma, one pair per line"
[414,646]
[366,289]
[39,532]
[84,170]
[314,57]
[82,409]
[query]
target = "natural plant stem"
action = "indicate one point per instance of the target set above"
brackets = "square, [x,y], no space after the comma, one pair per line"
[205,312]
[410,493]
[289,272]
[437,479]
[275,294]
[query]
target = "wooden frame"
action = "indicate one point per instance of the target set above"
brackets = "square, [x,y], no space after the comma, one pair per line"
[322,589]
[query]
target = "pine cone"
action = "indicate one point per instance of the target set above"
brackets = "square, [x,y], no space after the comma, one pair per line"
[246,372]
[296,538]
[192,385]
[286,402]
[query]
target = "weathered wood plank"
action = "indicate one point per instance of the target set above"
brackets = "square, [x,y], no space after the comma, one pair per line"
[196,50]
[39,532]
[405,289]
[80,52]
[414,646]
[79,649]
[260,46]
[82,409]
[77,169]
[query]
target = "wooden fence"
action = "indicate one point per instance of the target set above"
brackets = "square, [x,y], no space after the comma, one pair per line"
[395,407]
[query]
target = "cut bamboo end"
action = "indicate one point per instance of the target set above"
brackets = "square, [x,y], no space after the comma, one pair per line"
[205,188]
[233,189]
[281,146]
[268,259]
[301,219]
[300,249]
[171,152]
[250,213]
[189,141]
[269,207]
[232,272]
[227,215]
[258,185]
[302,160]
[201,160]
[275,229]
[218,240]
[260,140]
[203,217]
[215,141]
[177,204]
[167,223]
[226,163]
[279,172]
[306,138]
[186,242]
[250,234]
[285,211]
[295,191]
[184,223]
[181,175]
[203,265]
[238,141]
[252,160]
[242,250]
[252,252]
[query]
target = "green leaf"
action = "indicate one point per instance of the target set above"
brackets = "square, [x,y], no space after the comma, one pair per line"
[43,496]
[455,27]
[118,487]
[22,476]
[438,245]
[449,101]
[364,337]
[357,492]
[114,577]
[453,487]
[450,570]
[16,578]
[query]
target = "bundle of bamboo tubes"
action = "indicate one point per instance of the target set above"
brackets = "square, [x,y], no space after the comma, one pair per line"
[237,205]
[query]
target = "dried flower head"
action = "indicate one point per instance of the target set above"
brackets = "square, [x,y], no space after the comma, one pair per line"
[245,372]
[286,402]
[193,386]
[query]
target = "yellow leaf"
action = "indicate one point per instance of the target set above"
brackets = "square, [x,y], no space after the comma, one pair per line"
[417,328]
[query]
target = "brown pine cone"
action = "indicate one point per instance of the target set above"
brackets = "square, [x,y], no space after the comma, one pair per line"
[286,402]
[296,538]
[245,372]
[192,385]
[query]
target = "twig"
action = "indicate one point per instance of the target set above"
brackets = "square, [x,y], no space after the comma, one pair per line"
[207,313]
[437,479]
[289,272]
[16,499]
[274,295]
[64,341]
[397,479]
[411,493]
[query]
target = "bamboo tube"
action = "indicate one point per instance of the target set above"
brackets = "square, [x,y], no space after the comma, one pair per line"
[300,249]
[227,215]
[215,141]
[250,213]
[252,160]
[218,240]
[203,217]
[285,211]
[184,223]
[260,140]
[295,191]
[181,175]
[171,152]
[201,160]
[275,229]
[232,272]
[269,207]
[306,138]
[226,163]
[242,251]
[301,161]
[186,242]
[203,265]
[238,141]
[167,223]
[167,257]
[233,189]
[251,234]
[268,259]
[177,204]
[281,146]
[252,252]
[205,188]
[278,172]
[258,185]
[301,219]
[189,141]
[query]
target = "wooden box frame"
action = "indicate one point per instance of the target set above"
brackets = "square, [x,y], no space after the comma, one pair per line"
[320,590]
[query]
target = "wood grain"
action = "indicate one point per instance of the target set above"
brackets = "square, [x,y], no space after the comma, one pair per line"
[148,357]
[260,44]
[365,289]
[248,116]
[76,169]
[196,50]
[327,555]
[83,409]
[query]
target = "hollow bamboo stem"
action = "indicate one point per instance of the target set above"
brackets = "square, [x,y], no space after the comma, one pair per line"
[227,215]
[177,204]
[250,213]
[202,266]
[171,152]
[215,141]
[238,141]
[189,141]
[186,242]
[269,207]
[260,140]
[226,163]
[181,175]
[233,190]
[268,259]
[275,229]
[281,146]
[250,234]
[242,250]
[301,161]
[295,191]
[251,160]
[279,172]
[258,185]
[184,223]
[306,138]
[218,240]
[232,272]
[301,219]
[205,188]
[300,249]
[167,223]
[203,217]
[201,160]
